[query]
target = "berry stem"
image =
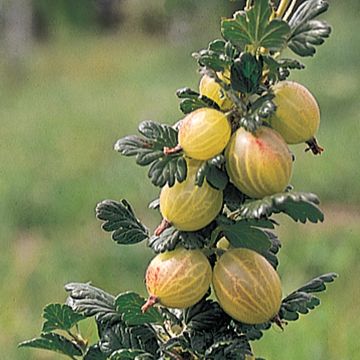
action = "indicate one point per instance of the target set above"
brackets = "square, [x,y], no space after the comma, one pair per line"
[162,226]
[150,302]
[282,8]
[314,147]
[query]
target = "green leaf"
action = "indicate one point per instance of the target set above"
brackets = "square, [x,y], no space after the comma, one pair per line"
[205,315]
[121,221]
[214,172]
[129,306]
[318,284]
[245,235]
[233,197]
[252,332]
[253,27]
[130,354]
[234,349]
[149,150]
[91,301]
[53,342]
[302,301]
[300,206]
[168,170]
[155,204]
[60,317]
[270,255]
[192,100]
[94,353]
[171,238]
[166,241]
[120,336]
[246,73]
[279,70]
[306,33]
[217,57]
[217,178]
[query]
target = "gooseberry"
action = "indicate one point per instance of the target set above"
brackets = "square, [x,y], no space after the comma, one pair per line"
[204,133]
[246,286]
[213,90]
[178,278]
[260,163]
[187,206]
[297,117]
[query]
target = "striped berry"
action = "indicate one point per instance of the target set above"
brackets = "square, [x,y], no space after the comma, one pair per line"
[260,163]
[204,133]
[178,278]
[246,286]
[211,89]
[189,207]
[297,117]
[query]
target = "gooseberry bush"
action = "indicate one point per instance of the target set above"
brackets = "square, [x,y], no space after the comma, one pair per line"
[223,172]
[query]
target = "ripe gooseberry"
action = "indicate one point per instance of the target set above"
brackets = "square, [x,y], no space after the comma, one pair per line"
[260,163]
[246,286]
[189,207]
[204,133]
[178,278]
[213,90]
[297,116]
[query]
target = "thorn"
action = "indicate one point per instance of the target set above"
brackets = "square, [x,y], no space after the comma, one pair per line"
[162,226]
[150,302]
[314,147]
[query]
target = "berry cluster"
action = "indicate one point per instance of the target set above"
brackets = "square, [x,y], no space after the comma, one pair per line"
[258,163]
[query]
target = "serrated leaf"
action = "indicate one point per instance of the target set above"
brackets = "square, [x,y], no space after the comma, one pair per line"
[233,197]
[94,353]
[246,73]
[217,57]
[318,284]
[130,354]
[91,301]
[253,27]
[270,255]
[204,315]
[162,134]
[279,70]
[302,301]
[299,206]
[306,32]
[120,336]
[121,221]
[170,238]
[234,349]
[129,306]
[155,204]
[60,317]
[252,332]
[245,235]
[165,168]
[192,100]
[166,241]
[217,178]
[53,342]
[193,240]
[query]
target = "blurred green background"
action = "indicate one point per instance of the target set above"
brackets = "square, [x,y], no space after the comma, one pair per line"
[75,77]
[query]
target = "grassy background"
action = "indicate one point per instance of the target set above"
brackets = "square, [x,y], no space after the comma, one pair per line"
[60,116]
